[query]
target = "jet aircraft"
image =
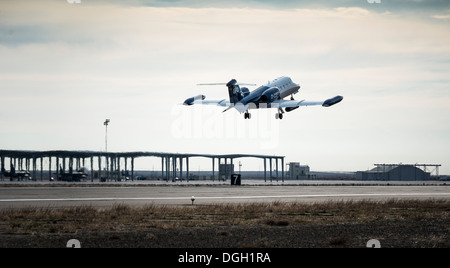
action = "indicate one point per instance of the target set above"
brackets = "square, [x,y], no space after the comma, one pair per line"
[270,95]
[20,174]
[71,175]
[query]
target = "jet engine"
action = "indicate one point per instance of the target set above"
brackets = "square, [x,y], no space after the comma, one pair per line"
[290,109]
[270,95]
[245,92]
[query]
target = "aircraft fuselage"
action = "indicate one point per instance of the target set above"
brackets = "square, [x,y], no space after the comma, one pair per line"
[285,86]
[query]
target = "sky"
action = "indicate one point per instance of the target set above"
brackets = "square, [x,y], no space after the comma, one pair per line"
[65,67]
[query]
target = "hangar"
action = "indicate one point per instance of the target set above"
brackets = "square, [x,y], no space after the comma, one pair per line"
[397,172]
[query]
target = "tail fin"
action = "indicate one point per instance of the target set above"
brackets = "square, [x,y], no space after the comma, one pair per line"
[234,91]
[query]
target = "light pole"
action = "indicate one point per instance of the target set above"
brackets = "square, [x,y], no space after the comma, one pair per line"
[106,146]
[106,123]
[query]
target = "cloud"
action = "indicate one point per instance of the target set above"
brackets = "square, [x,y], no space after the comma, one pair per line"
[72,66]
[441,17]
[287,4]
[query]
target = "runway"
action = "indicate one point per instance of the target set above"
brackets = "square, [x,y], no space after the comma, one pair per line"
[106,197]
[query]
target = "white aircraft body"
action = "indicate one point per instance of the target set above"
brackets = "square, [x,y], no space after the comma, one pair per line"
[270,95]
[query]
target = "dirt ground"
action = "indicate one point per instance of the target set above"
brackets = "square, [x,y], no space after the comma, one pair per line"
[397,224]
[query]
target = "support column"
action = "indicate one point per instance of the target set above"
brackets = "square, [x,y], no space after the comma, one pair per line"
[107,167]
[167,168]
[112,168]
[57,168]
[219,167]
[92,168]
[34,168]
[126,166]
[42,168]
[270,165]
[213,175]
[276,165]
[265,170]
[71,165]
[174,167]
[132,168]
[63,165]
[231,168]
[49,168]
[162,167]
[187,168]
[119,173]
[2,167]
[181,168]
[282,169]
[226,169]
[99,168]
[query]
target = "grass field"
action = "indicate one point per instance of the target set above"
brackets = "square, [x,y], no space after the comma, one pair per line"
[331,224]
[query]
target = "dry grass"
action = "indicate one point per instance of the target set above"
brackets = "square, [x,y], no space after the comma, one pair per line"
[278,224]
[278,214]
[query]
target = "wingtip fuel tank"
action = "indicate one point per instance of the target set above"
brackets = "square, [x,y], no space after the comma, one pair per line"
[332,101]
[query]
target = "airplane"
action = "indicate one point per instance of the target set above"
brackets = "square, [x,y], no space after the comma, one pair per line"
[270,95]
[71,175]
[20,174]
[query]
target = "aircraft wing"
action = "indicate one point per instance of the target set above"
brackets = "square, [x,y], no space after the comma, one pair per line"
[296,104]
[223,103]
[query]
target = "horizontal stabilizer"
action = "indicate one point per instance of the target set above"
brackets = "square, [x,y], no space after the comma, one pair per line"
[224,84]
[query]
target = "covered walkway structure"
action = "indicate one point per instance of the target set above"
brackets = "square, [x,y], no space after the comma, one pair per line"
[172,164]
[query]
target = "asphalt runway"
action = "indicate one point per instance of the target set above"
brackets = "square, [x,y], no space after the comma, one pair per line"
[106,197]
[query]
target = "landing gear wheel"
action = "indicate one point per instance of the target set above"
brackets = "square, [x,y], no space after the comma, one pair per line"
[279,116]
[247,116]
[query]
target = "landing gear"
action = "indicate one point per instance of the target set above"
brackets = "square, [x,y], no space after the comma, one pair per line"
[247,115]
[280,113]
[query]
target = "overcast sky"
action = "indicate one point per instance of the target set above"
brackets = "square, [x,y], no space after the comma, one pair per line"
[65,68]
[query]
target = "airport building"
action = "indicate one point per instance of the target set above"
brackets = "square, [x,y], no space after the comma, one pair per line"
[298,172]
[225,171]
[397,172]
